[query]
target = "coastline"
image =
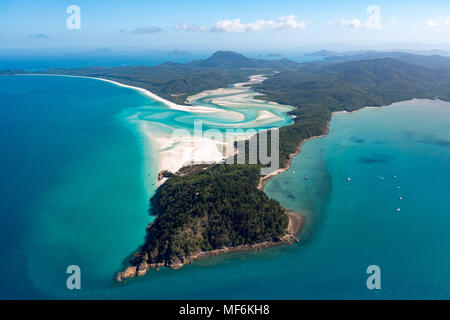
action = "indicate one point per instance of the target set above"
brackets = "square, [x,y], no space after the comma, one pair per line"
[295,226]
[254,79]
[266,178]
[174,152]
[181,151]
[296,221]
[260,187]
[146,92]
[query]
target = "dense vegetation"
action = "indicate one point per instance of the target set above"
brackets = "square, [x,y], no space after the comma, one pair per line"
[207,208]
[175,82]
[429,61]
[318,90]
[210,209]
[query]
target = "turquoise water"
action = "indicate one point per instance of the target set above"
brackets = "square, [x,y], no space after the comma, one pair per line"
[72,176]
[75,184]
[76,176]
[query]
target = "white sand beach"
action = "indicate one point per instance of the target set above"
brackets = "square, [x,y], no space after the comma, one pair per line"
[174,150]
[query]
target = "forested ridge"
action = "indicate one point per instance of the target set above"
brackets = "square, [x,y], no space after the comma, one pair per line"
[347,86]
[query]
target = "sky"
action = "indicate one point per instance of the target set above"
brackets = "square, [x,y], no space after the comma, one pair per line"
[280,25]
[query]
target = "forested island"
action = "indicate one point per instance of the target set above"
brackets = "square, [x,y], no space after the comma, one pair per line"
[208,210]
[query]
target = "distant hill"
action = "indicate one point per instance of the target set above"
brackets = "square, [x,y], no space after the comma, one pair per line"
[225,59]
[177,53]
[355,84]
[274,55]
[230,59]
[321,53]
[279,64]
[176,81]
[339,82]
[433,61]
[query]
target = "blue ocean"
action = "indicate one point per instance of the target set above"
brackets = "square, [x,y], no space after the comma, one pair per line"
[75,180]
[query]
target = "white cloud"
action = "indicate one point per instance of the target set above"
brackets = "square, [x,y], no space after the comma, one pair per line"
[356,24]
[348,23]
[283,23]
[373,21]
[439,22]
[186,27]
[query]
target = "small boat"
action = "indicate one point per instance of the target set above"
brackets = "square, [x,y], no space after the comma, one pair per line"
[293,172]
[306,178]
[395,177]
[398,210]
[348,179]
[398,187]
[401,198]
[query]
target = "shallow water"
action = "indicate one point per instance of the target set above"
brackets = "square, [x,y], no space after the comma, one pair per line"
[398,151]
[72,177]
[77,174]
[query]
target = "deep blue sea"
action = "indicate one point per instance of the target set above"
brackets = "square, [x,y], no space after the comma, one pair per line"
[106,58]
[74,190]
[44,61]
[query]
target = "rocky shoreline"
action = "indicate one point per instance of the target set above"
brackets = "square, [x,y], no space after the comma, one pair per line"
[296,222]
